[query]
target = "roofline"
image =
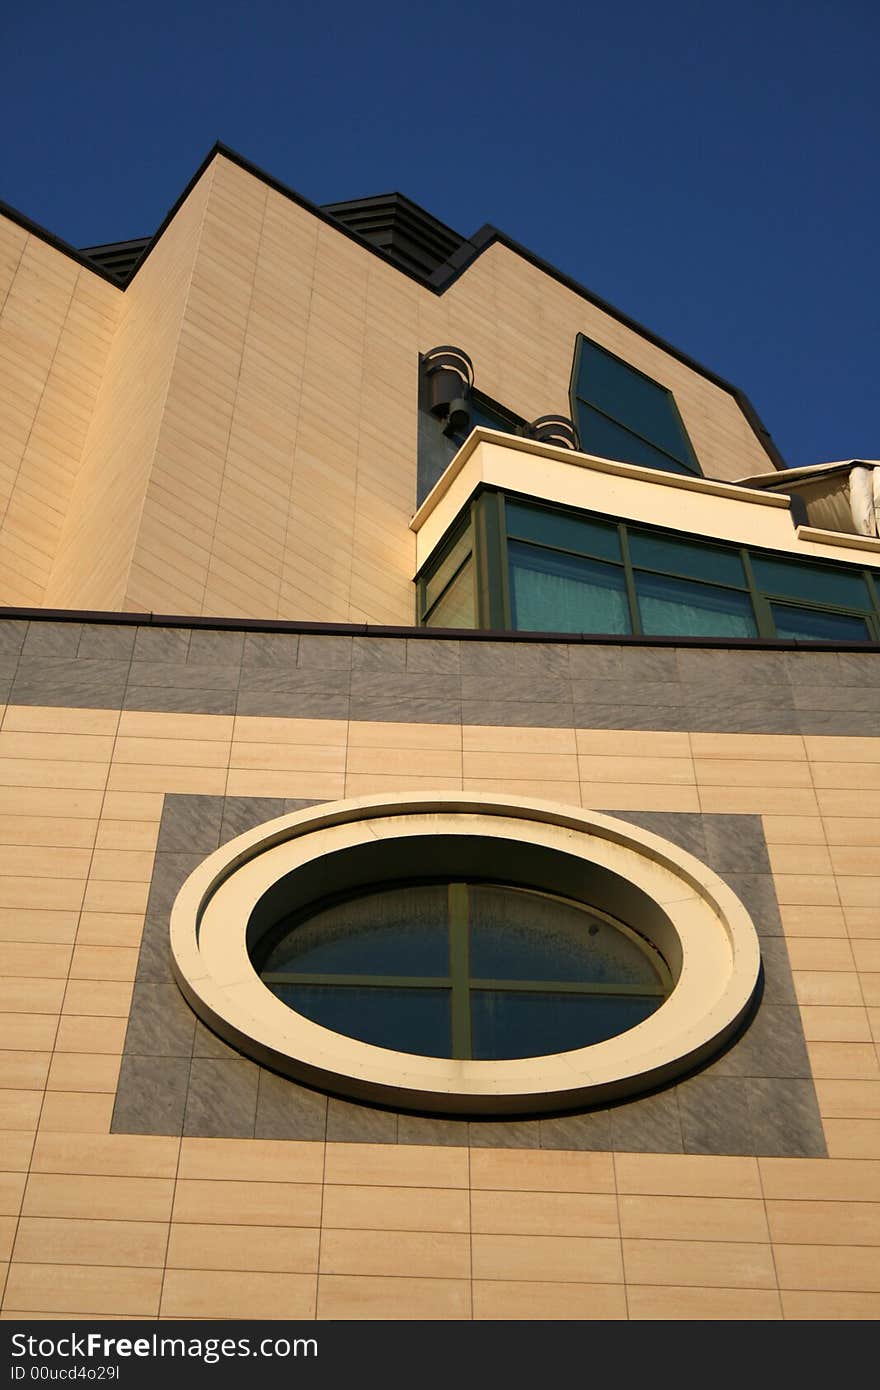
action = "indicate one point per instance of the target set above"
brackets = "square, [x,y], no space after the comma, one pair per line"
[440,281]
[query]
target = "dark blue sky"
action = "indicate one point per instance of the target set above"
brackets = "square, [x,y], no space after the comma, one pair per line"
[710,169]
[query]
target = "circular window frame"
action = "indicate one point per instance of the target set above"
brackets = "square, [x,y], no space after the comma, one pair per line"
[695,920]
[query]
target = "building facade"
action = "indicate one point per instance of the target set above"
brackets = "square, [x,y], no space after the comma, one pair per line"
[345,558]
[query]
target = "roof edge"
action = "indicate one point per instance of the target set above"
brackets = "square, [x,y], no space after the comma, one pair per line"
[470,250]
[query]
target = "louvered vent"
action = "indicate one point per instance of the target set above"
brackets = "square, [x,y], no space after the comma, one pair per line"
[118,258]
[411,236]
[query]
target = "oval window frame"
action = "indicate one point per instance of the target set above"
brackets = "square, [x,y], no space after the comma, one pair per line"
[706,931]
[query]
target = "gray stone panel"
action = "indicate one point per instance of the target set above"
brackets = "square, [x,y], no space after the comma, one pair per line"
[772,1046]
[851,699]
[428,658]
[664,694]
[590,1131]
[688,830]
[151,1095]
[169,873]
[52,640]
[75,683]
[210,648]
[161,1023]
[207,1044]
[221,1101]
[13,632]
[288,1111]
[432,1129]
[8,668]
[383,654]
[190,825]
[348,1123]
[325,653]
[241,813]
[315,703]
[514,661]
[154,959]
[654,717]
[168,700]
[504,1134]
[756,891]
[736,845]
[106,642]
[715,1115]
[778,984]
[854,723]
[650,1124]
[270,649]
[161,644]
[595,663]
[785,1119]
[701,666]
[516,714]
[184,675]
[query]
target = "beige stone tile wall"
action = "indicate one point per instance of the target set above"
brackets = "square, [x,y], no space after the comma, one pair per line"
[139,1226]
[246,443]
[120,455]
[57,322]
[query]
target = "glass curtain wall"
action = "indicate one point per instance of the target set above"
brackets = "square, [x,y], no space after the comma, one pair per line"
[521,566]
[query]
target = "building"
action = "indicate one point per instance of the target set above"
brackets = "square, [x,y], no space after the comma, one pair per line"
[637,677]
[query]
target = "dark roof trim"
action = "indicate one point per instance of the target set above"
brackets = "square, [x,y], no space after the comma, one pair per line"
[438,282]
[28,225]
[458,634]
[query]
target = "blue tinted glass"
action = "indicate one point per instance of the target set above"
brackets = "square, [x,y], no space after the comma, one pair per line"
[520,935]
[525,1024]
[563,593]
[819,583]
[407,1020]
[678,608]
[565,530]
[457,607]
[814,626]
[631,399]
[401,931]
[685,557]
[608,440]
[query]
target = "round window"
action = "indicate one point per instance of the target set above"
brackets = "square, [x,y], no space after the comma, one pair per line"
[528,958]
[466,970]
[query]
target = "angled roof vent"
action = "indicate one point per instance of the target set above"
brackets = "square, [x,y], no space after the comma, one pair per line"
[118,258]
[413,238]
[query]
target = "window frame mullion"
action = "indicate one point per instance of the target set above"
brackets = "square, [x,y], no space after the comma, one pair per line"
[459,970]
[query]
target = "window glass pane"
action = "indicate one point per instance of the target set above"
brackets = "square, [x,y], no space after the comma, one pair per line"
[457,607]
[447,567]
[522,1024]
[563,593]
[676,607]
[608,440]
[632,399]
[401,931]
[819,583]
[816,626]
[408,1020]
[563,529]
[710,562]
[521,935]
